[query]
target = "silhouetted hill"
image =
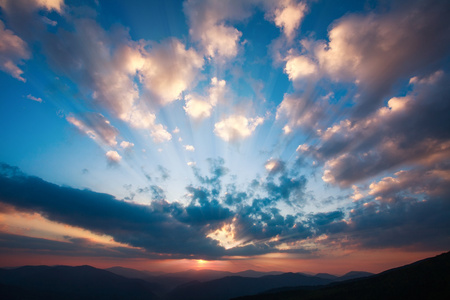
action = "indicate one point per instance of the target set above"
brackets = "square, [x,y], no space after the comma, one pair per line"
[63,282]
[129,273]
[199,275]
[354,275]
[255,274]
[170,281]
[234,286]
[327,276]
[425,279]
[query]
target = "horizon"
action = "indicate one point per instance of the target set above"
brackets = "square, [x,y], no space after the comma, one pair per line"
[283,135]
[161,273]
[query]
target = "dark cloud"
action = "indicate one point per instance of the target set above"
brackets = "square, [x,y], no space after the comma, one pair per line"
[137,225]
[404,223]
[410,130]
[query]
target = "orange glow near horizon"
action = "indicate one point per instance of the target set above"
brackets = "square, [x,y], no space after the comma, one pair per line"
[371,261]
[35,225]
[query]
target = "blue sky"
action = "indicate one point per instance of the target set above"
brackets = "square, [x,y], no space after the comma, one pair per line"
[225,129]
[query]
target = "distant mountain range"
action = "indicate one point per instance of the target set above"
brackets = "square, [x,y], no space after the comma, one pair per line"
[426,279]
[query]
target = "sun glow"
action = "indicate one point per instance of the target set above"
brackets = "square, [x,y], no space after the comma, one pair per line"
[225,236]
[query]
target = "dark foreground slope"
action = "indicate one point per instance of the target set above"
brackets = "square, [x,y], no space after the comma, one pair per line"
[62,282]
[425,279]
[234,286]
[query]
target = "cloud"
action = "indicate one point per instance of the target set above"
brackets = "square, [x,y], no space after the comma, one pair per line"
[377,50]
[302,110]
[169,70]
[29,96]
[197,107]
[433,181]
[236,127]
[96,126]
[141,118]
[113,157]
[274,166]
[151,227]
[409,131]
[300,67]
[56,5]
[189,148]
[403,223]
[288,16]
[209,25]
[105,66]
[126,145]
[200,107]
[13,50]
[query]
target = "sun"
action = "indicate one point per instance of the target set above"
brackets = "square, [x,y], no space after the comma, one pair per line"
[201,263]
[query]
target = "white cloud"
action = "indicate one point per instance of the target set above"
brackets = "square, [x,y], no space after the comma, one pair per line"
[189,148]
[29,96]
[126,145]
[141,118]
[236,127]
[209,21]
[97,127]
[376,50]
[13,50]
[169,70]
[113,157]
[200,107]
[51,4]
[288,16]
[197,107]
[299,67]
[160,134]
[56,5]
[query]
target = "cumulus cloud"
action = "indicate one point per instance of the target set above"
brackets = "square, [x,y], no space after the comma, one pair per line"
[302,110]
[96,126]
[189,148]
[113,157]
[13,51]
[236,127]
[299,67]
[274,166]
[411,130]
[106,66]
[200,107]
[170,69]
[126,145]
[288,15]
[142,118]
[209,25]
[377,50]
[56,5]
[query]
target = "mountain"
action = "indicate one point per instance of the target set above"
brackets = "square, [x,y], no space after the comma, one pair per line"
[327,276]
[255,274]
[63,282]
[235,286]
[169,281]
[199,275]
[129,273]
[354,275]
[425,279]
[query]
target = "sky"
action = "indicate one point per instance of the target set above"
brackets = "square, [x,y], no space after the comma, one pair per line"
[270,135]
